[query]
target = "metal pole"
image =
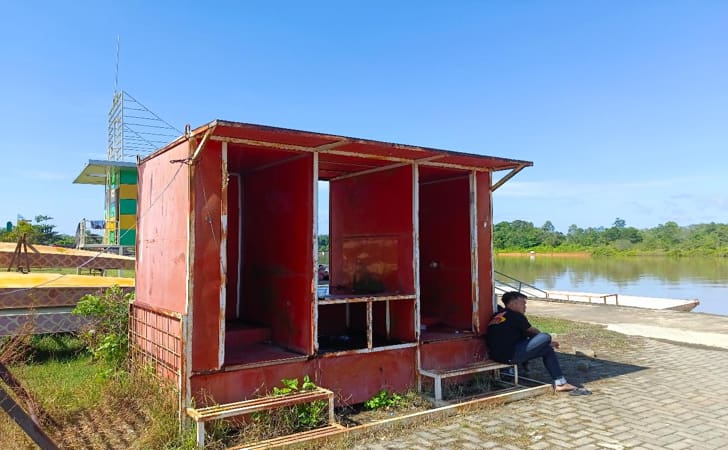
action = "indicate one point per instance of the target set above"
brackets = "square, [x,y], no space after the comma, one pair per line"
[25,422]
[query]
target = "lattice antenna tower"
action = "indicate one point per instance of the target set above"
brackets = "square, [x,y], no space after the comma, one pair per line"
[134,130]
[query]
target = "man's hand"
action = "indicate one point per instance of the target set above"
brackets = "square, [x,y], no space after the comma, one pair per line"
[554,344]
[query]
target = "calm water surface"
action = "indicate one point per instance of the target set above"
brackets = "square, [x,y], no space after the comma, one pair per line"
[686,278]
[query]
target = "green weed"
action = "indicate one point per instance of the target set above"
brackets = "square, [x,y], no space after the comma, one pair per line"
[107,334]
[383,400]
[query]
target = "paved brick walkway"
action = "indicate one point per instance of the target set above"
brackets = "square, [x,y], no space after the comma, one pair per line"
[647,394]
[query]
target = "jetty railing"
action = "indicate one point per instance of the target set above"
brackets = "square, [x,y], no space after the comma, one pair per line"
[514,284]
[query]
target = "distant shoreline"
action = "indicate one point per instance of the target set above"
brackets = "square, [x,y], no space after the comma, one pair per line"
[547,254]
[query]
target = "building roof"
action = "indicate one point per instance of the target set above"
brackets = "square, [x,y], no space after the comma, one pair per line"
[96,169]
[342,155]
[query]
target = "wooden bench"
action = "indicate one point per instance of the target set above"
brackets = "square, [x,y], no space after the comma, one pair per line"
[282,441]
[482,366]
[227,410]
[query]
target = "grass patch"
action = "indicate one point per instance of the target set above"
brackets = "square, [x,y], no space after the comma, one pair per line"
[553,326]
[62,387]
[57,347]
[580,333]
[568,327]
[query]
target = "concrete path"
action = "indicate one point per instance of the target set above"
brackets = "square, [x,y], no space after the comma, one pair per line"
[679,326]
[647,393]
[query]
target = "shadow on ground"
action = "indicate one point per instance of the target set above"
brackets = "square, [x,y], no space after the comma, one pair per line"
[581,369]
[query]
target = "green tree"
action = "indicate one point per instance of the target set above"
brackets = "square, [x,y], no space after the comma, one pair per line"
[40,232]
[45,230]
[323,242]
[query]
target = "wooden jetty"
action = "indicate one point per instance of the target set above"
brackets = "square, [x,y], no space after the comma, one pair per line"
[634,301]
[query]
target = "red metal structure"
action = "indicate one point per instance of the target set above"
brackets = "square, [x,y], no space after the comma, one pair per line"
[227,261]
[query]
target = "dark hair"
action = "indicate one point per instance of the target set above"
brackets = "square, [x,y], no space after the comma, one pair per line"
[510,296]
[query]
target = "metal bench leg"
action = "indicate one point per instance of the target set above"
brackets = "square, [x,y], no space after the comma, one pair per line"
[438,388]
[515,374]
[332,418]
[201,434]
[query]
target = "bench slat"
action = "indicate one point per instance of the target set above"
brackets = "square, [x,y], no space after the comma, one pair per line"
[257,404]
[470,368]
[328,430]
[437,375]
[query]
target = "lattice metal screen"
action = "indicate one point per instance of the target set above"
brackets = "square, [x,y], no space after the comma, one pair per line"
[156,338]
[134,130]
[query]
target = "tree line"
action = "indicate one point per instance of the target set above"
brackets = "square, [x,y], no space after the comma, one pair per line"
[709,239]
[41,232]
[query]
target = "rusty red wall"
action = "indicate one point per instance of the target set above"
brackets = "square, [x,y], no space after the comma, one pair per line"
[452,353]
[207,232]
[161,272]
[278,274]
[485,250]
[445,258]
[233,246]
[401,317]
[371,232]
[237,385]
[356,378]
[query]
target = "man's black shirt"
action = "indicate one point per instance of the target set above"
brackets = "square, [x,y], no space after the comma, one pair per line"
[505,330]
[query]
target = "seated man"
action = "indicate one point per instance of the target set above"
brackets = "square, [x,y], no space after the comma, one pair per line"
[511,339]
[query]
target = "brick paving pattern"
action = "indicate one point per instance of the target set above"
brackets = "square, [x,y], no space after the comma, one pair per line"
[648,395]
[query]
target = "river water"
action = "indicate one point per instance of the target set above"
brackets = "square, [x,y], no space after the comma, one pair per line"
[685,278]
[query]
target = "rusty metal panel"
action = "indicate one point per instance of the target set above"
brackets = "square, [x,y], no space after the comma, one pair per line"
[247,383]
[234,246]
[356,378]
[206,187]
[485,250]
[162,230]
[399,316]
[445,271]
[223,253]
[313,347]
[371,232]
[277,268]
[452,353]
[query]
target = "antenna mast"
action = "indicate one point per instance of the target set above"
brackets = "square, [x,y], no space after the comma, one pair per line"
[116,76]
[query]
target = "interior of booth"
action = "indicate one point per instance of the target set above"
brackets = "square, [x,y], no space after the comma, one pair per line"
[268,310]
[445,256]
[370,301]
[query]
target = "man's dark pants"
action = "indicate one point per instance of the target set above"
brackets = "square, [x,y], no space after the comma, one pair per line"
[535,347]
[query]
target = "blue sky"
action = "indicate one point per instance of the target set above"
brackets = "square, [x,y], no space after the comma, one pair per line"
[622,106]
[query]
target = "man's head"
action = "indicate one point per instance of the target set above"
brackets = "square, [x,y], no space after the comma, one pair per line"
[515,301]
